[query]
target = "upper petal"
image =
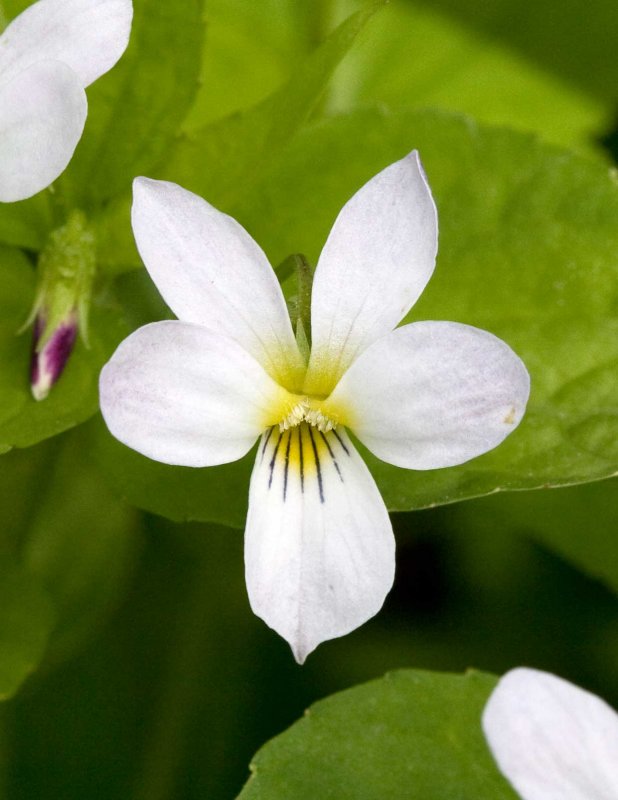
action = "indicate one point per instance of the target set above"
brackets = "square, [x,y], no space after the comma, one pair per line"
[319,547]
[433,394]
[87,35]
[211,272]
[42,115]
[376,262]
[184,395]
[551,739]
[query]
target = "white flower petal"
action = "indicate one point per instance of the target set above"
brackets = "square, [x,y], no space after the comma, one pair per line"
[376,262]
[181,394]
[551,739]
[87,35]
[433,394]
[211,272]
[42,115]
[319,547]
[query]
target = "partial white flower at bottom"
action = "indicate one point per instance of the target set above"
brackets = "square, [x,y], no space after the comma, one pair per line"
[319,547]
[551,739]
[48,55]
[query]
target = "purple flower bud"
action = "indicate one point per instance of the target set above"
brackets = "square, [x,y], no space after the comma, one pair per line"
[49,361]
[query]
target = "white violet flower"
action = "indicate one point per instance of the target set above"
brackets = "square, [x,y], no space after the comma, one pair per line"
[551,739]
[198,391]
[48,55]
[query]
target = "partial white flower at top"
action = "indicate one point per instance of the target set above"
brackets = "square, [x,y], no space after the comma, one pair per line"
[48,55]
[551,739]
[319,547]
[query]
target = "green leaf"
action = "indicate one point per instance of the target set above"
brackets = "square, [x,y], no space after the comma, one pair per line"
[26,619]
[578,523]
[251,50]
[528,247]
[416,57]
[218,494]
[11,8]
[222,160]
[83,557]
[408,735]
[583,54]
[23,421]
[51,523]
[135,111]
[26,224]
[116,249]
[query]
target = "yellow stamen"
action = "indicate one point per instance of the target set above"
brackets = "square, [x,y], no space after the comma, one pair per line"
[309,410]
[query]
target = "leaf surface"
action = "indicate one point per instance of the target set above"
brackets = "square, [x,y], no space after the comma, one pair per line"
[222,160]
[408,735]
[26,620]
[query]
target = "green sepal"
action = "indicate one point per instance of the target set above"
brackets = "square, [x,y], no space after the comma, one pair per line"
[66,270]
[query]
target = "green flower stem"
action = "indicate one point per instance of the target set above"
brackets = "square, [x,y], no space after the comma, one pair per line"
[299,305]
[304,278]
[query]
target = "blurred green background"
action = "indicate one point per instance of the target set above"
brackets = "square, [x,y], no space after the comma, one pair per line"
[157,681]
[181,683]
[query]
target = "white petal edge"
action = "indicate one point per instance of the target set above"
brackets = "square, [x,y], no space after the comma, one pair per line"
[211,272]
[42,116]
[433,394]
[183,395]
[319,548]
[87,35]
[551,739]
[375,264]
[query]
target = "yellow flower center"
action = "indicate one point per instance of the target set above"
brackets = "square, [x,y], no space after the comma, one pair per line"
[309,410]
[300,401]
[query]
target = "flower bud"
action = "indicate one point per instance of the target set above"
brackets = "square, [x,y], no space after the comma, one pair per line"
[66,270]
[48,362]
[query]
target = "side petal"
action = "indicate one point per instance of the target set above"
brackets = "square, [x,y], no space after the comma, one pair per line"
[319,547]
[42,116]
[376,262]
[87,35]
[211,272]
[432,394]
[551,739]
[183,395]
